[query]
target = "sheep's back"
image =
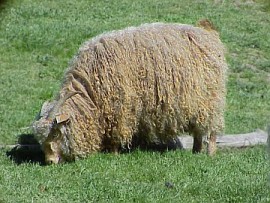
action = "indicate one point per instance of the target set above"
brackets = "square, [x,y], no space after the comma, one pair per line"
[153,80]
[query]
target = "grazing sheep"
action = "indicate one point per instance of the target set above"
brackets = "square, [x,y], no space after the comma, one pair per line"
[134,86]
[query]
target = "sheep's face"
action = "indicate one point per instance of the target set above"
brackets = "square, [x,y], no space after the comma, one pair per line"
[51,134]
[55,144]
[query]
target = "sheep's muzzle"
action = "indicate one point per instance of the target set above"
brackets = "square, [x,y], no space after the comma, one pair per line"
[52,160]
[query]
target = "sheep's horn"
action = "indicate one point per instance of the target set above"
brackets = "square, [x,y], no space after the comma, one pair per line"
[60,103]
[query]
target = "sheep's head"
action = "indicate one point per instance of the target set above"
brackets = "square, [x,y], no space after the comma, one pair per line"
[52,136]
[50,129]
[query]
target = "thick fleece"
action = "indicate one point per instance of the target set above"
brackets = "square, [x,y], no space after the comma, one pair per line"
[151,82]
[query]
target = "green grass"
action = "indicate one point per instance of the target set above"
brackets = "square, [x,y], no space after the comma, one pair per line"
[39,38]
[175,176]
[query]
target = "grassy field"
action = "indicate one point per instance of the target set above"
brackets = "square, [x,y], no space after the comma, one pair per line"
[175,176]
[39,38]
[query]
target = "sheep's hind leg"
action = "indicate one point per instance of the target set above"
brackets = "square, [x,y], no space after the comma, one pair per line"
[211,144]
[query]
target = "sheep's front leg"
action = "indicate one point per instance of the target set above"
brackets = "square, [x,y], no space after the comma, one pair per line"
[211,144]
[197,142]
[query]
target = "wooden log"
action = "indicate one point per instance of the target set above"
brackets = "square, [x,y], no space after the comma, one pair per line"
[30,146]
[236,140]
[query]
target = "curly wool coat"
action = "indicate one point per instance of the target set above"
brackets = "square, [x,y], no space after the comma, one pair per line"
[151,82]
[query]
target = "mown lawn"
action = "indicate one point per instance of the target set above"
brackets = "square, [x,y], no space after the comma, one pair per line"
[39,38]
[175,176]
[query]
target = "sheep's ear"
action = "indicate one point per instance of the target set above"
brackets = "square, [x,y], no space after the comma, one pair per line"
[61,118]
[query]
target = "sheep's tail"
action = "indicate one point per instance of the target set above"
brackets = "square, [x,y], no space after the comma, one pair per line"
[206,24]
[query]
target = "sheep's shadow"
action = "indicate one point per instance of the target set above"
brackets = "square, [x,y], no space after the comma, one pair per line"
[28,150]
[157,145]
[2,4]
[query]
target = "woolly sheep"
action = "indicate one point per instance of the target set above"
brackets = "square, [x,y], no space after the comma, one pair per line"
[136,85]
